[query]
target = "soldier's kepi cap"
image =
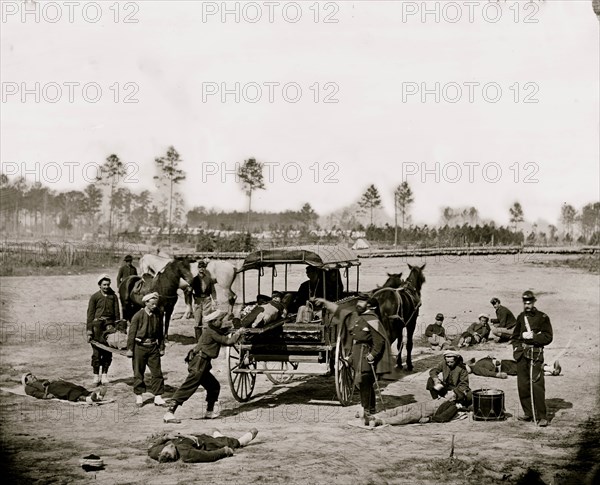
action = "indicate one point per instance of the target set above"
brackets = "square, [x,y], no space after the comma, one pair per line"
[128,258]
[528,296]
[440,317]
[494,300]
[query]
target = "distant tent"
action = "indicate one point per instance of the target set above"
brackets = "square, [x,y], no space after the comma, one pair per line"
[361,244]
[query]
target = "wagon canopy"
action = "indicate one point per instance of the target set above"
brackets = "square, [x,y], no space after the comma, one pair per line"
[325,257]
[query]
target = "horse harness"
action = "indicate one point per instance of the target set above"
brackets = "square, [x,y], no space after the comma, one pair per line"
[415,299]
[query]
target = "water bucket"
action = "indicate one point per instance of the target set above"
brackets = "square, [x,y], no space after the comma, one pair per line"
[488,405]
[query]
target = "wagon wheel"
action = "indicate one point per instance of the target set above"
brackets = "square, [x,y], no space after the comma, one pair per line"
[280,366]
[241,384]
[344,373]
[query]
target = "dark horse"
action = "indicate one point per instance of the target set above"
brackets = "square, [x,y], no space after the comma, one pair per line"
[399,304]
[164,283]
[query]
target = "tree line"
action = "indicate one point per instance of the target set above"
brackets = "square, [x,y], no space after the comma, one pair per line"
[111,207]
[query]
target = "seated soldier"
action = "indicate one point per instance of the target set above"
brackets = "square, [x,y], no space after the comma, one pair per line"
[312,288]
[477,332]
[45,389]
[197,448]
[436,334]
[450,379]
[492,367]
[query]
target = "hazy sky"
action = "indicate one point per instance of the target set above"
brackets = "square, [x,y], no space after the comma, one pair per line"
[374,61]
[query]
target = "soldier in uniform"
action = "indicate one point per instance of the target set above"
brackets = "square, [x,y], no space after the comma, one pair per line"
[532,332]
[127,270]
[504,323]
[450,379]
[103,310]
[146,345]
[371,355]
[216,334]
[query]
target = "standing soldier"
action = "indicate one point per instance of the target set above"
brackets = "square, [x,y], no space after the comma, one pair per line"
[370,356]
[146,345]
[128,269]
[532,332]
[103,310]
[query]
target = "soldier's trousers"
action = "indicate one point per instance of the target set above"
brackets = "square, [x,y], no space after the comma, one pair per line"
[539,389]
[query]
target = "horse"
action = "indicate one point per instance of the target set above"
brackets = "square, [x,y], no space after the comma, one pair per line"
[165,282]
[399,304]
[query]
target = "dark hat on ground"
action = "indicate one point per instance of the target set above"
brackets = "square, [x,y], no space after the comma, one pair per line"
[128,258]
[439,316]
[91,462]
[528,296]
[494,300]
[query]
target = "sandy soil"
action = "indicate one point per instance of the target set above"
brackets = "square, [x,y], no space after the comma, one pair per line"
[303,435]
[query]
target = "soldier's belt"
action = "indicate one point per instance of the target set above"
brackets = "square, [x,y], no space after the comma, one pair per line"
[146,342]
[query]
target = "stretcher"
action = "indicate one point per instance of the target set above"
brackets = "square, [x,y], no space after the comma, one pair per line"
[108,348]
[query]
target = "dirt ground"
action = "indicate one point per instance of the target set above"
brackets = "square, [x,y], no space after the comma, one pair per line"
[303,433]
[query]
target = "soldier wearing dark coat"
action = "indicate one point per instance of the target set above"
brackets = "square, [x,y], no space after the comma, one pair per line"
[532,332]
[214,335]
[103,310]
[504,323]
[197,448]
[146,345]
[127,270]
[59,389]
[371,355]
[450,379]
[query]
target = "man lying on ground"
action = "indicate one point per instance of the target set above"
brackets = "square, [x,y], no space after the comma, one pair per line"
[197,448]
[437,411]
[491,367]
[46,389]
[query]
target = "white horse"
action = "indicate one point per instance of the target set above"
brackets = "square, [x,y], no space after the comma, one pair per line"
[222,274]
